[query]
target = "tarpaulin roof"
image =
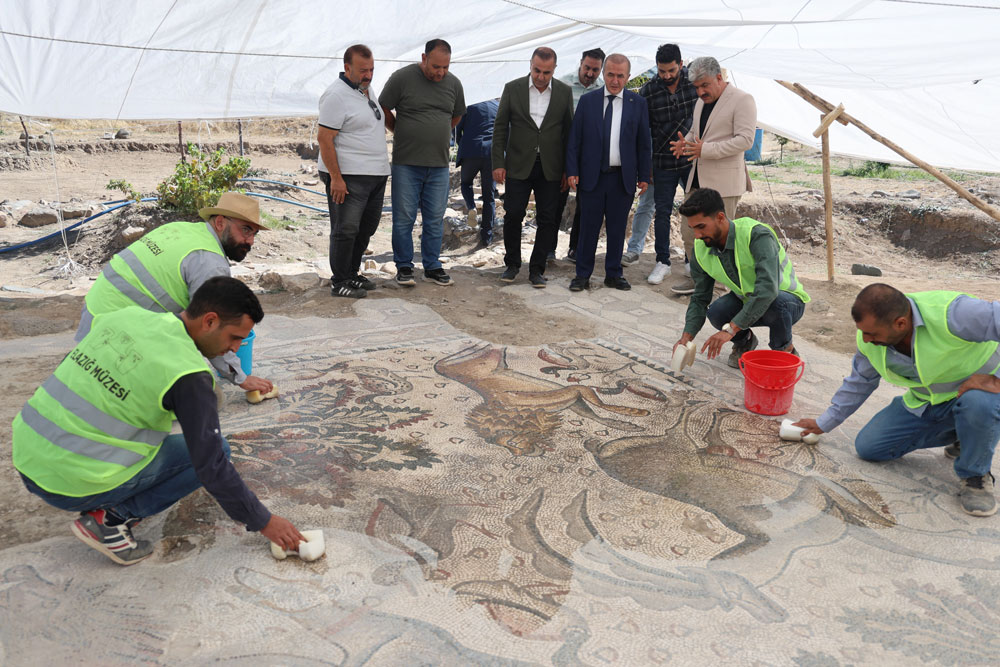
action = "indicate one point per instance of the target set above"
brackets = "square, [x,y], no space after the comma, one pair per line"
[925,74]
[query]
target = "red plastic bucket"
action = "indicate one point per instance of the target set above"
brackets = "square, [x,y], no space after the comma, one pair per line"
[769,378]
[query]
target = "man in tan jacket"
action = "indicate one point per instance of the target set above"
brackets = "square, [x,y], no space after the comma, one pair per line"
[723,128]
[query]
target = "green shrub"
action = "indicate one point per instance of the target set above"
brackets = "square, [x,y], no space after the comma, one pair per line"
[870,169]
[200,181]
[125,188]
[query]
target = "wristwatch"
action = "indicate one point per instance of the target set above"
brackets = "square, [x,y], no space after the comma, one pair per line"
[729,329]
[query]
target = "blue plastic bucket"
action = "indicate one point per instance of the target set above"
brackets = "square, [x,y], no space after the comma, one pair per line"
[753,155]
[245,353]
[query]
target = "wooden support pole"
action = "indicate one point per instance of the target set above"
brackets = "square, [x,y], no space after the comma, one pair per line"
[828,204]
[27,137]
[239,124]
[180,142]
[845,118]
[826,121]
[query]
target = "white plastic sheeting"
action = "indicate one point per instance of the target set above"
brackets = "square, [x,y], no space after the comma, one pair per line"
[924,73]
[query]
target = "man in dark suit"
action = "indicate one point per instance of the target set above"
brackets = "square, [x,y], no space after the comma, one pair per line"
[529,152]
[609,156]
[474,135]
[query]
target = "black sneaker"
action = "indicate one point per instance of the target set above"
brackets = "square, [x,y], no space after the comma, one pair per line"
[740,348]
[953,450]
[509,274]
[537,280]
[579,284]
[362,282]
[571,255]
[438,276]
[977,495]
[115,542]
[404,276]
[347,288]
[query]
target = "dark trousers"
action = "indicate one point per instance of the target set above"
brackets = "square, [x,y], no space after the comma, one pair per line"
[546,203]
[784,311]
[484,167]
[574,230]
[353,222]
[666,182]
[610,200]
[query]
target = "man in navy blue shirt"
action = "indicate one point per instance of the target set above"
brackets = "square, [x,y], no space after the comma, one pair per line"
[475,143]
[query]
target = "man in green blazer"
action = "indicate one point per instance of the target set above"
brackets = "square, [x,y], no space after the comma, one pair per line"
[529,155]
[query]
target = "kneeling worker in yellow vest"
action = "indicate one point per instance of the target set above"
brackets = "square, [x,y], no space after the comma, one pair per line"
[161,271]
[95,437]
[745,256]
[942,348]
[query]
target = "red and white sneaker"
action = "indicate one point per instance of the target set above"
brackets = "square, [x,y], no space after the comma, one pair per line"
[115,542]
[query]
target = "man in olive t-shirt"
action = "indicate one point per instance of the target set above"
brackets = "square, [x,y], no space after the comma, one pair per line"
[428,102]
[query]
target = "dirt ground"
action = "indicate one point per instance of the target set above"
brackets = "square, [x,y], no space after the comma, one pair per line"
[934,242]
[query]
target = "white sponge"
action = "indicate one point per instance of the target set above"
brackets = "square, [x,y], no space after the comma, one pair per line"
[309,550]
[684,355]
[794,433]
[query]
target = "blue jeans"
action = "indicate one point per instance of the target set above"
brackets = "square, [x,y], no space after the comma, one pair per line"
[484,167]
[169,477]
[423,189]
[660,199]
[784,311]
[973,419]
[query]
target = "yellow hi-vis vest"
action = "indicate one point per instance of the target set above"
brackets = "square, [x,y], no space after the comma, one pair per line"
[943,360]
[745,265]
[148,272]
[99,419]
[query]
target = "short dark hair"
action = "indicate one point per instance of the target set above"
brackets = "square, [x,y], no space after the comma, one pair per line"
[544,53]
[358,49]
[668,53]
[593,53]
[884,302]
[228,298]
[436,44]
[703,201]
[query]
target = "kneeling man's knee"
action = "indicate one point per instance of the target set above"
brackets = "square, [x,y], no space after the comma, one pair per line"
[872,446]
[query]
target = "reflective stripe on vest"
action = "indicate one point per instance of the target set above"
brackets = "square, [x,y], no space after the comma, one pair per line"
[149,282]
[126,288]
[989,368]
[105,423]
[75,443]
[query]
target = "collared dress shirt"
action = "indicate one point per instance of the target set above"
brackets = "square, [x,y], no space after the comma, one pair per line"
[538,102]
[615,157]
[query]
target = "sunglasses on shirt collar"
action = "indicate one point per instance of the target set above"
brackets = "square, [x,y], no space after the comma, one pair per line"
[378,113]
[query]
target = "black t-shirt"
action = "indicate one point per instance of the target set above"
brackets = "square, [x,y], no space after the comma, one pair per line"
[706,111]
[193,401]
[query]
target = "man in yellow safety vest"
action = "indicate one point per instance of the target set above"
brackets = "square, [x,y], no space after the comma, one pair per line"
[942,348]
[95,437]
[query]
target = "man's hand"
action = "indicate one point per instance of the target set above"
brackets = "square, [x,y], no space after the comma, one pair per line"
[338,189]
[692,149]
[677,147]
[281,531]
[715,342]
[642,187]
[254,383]
[685,339]
[988,383]
[500,175]
[563,185]
[809,426]
[572,181]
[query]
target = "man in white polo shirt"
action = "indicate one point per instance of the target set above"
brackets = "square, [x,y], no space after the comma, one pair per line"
[354,167]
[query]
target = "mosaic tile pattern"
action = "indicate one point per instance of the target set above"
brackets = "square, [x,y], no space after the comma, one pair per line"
[572,503]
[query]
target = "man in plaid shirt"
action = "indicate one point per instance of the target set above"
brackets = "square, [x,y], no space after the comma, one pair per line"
[671,98]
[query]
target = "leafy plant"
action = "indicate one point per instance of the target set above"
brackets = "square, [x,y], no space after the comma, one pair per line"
[125,188]
[781,146]
[200,181]
[870,169]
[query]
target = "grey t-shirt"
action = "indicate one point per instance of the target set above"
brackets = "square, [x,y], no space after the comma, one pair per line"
[424,110]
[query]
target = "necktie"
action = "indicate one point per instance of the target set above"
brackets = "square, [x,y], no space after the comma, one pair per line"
[609,114]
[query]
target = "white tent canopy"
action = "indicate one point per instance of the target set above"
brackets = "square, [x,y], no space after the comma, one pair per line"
[924,73]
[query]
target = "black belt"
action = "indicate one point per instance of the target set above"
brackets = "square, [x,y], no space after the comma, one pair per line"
[611,170]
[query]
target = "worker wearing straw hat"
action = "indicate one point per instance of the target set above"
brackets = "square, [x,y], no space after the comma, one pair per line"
[162,270]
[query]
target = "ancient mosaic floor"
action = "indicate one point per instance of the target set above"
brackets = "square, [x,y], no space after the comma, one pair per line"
[574,503]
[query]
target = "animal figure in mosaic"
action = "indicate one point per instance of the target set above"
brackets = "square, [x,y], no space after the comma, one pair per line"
[699,461]
[521,412]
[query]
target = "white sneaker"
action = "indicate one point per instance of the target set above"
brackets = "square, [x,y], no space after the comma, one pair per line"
[660,271]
